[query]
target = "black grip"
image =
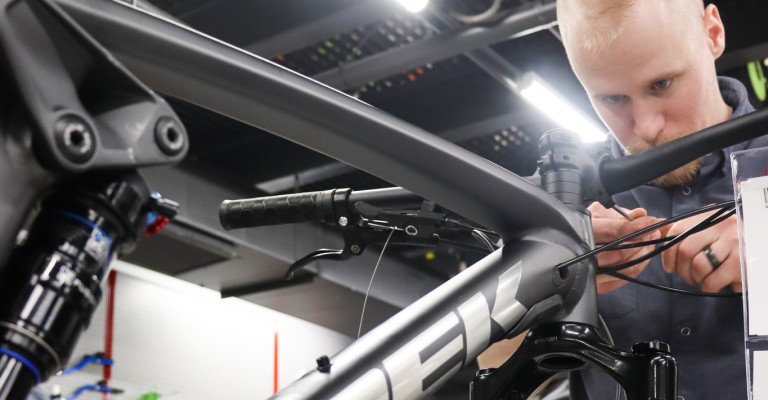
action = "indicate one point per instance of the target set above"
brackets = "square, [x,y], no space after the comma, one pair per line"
[283,209]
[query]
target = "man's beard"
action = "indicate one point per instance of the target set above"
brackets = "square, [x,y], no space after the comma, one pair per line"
[680,176]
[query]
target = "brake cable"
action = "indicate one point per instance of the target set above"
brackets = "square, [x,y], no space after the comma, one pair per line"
[725,210]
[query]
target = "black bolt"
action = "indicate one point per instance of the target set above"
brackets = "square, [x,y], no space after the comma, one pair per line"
[647,347]
[169,137]
[484,372]
[74,139]
[324,364]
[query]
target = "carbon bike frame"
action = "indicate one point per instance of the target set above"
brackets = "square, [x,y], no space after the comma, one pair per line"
[514,288]
[472,311]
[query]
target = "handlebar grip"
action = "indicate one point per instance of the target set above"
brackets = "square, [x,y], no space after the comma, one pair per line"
[283,209]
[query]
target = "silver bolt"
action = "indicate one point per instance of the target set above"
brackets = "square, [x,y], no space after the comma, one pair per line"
[355,248]
[74,139]
[411,230]
[343,221]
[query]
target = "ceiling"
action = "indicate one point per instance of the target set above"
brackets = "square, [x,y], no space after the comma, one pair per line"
[429,69]
[454,96]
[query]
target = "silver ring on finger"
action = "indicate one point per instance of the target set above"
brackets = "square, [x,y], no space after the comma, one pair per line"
[711,257]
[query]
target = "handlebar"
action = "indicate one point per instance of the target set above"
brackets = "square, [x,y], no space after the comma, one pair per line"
[620,174]
[275,210]
[322,206]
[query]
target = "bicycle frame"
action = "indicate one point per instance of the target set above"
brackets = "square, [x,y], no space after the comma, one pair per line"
[511,290]
[272,98]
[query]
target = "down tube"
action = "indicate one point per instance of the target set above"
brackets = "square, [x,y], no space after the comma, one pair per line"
[415,351]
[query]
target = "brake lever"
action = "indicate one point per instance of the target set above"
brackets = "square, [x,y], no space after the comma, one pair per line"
[320,254]
[356,239]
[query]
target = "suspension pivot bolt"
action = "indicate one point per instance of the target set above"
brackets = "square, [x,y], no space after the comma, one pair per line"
[74,139]
[169,137]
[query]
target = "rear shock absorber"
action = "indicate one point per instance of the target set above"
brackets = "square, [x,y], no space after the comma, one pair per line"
[52,283]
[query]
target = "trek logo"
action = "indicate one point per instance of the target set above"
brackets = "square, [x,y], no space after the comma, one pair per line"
[433,356]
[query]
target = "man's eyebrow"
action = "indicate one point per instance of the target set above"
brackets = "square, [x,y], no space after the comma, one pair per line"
[600,96]
[666,75]
[673,73]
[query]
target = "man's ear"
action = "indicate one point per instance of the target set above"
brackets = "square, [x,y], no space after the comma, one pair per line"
[715,30]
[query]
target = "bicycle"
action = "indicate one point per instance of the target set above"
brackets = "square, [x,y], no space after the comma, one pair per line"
[526,283]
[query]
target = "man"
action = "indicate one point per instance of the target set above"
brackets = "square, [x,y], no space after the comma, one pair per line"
[648,68]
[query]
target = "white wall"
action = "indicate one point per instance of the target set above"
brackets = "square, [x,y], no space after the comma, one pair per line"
[185,342]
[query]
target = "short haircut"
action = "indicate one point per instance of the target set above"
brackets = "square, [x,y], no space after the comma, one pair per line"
[595,24]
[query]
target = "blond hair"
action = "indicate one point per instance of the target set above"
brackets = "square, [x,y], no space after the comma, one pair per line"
[593,25]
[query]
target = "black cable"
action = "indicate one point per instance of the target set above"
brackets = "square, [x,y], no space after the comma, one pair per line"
[483,238]
[725,210]
[704,224]
[664,239]
[709,222]
[643,231]
[671,289]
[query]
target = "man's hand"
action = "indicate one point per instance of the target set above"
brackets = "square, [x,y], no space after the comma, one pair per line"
[689,260]
[607,226]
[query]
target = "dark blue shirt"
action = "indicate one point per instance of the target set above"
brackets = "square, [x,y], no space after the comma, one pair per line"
[706,334]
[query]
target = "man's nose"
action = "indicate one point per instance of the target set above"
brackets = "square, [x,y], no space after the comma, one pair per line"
[648,120]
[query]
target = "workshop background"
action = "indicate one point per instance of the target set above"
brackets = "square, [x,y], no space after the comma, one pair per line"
[233,328]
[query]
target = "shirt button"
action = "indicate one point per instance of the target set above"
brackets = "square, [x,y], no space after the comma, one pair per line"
[685,331]
[686,190]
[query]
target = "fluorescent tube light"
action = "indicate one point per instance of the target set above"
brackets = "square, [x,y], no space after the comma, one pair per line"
[414,5]
[533,89]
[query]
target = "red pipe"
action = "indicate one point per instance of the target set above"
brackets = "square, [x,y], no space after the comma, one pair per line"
[276,372]
[108,331]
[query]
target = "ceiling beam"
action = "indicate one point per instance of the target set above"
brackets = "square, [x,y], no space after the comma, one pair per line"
[306,177]
[528,19]
[363,13]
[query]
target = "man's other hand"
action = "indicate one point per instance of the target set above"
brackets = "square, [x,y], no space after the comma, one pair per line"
[689,258]
[607,226]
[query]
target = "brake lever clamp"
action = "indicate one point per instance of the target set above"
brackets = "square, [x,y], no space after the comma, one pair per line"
[422,224]
[374,225]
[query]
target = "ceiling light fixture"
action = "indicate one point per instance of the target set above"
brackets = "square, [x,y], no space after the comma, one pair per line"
[538,93]
[414,5]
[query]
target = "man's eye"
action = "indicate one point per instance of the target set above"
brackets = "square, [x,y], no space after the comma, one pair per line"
[662,84]
[615,99]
